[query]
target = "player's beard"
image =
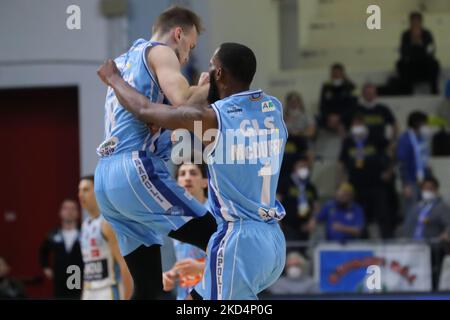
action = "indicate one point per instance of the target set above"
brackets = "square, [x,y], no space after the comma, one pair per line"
[213,93]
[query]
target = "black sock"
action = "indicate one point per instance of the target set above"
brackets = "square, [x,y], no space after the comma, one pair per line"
[145,267]
[197,231]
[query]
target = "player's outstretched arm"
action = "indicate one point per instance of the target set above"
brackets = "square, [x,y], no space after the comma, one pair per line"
[159,114]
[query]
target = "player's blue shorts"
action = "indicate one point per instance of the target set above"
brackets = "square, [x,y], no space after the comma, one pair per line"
[139,198]
[243,258]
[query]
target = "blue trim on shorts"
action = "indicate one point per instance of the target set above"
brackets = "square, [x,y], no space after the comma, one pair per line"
[115,290]
[162,188]
[213,261]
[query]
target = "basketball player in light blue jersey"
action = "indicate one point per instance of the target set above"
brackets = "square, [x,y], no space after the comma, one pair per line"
[133,186]
[247,253]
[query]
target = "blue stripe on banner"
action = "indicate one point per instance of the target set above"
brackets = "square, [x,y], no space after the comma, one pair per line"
[213,261]
[162,188]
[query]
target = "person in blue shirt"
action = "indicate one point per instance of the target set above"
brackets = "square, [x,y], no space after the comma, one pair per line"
[343,218]
[413,153]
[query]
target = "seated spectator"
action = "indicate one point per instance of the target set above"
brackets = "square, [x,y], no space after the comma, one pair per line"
[413,152]
[9,287]
[300,199]
[364,162]
[377,117]
[343,217]
[430,218]
[336,100]
[417,62]
[297,278]
[296,117]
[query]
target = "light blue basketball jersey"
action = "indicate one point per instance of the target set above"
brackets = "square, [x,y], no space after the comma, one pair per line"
[244,164]
[123,131]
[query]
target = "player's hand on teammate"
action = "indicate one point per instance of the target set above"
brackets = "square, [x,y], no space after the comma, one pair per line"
[189,267]
[169,280]
[107,71]
[204,79]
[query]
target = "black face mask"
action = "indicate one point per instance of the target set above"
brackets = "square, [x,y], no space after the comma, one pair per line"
[213,93]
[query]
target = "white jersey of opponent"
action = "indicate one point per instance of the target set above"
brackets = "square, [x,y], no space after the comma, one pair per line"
[100,269]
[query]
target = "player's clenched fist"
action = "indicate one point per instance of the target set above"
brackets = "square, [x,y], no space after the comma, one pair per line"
[107,71]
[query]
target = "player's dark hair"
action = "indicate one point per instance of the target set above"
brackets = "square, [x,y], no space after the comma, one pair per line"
[177,16]
[416,118]
[201,167]
[238,60]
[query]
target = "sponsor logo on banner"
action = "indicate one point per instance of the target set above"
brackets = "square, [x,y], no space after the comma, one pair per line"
[352,267]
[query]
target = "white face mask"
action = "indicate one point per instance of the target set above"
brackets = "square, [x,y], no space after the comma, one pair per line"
[303,173]
[428,195]
[425,131]
[359,130]
[294,272]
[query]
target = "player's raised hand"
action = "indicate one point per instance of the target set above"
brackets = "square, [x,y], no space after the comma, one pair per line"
[204,79]
[107,71]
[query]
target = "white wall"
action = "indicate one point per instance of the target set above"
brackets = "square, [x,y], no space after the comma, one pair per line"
[250,22]
[38,50]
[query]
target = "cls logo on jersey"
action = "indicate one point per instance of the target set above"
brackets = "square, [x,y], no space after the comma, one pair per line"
[267,106]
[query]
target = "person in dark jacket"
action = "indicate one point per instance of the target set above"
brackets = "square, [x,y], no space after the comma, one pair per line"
[417,62]
[337,100]
[61,249]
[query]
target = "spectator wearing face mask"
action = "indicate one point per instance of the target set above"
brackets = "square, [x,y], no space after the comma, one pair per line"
[297,278]
[430,218]
[364,162]
[413,153]
[377,117]
[301,131]
[300,201]
[337,99]
[343,217]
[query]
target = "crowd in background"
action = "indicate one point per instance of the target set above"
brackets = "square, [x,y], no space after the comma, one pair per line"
[373,159]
